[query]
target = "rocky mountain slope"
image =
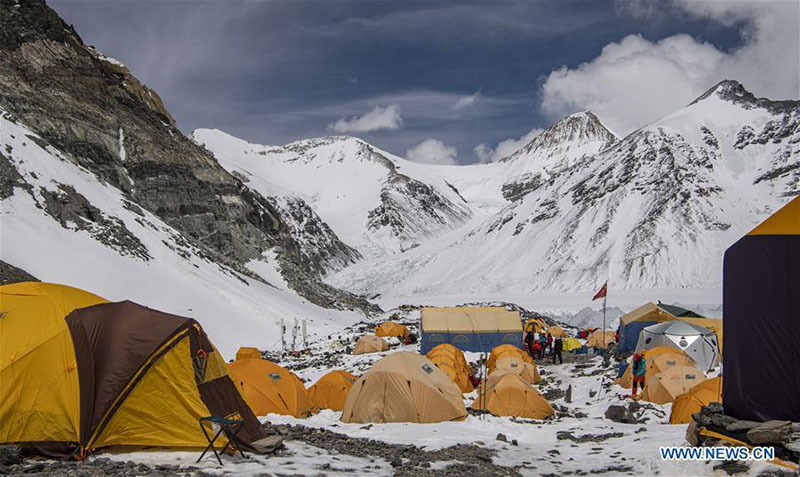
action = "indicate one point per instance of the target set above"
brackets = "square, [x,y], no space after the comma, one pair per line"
[654,210]
[91,110]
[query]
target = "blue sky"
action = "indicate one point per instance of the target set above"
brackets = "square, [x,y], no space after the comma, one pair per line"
[473,80]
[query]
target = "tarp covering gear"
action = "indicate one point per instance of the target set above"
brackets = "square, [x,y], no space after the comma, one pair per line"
[247,352]
[504,351]
[528,372]
[390,328]
[451,360]
[761,310]
[404,387]
[632,323]
[556,330]
[697,342]
[507,394]
[470,328]
[269,388]
[108,374]
[692,400]
[598,337]
[370,344]
[571,344]
[665,386]
[330,391]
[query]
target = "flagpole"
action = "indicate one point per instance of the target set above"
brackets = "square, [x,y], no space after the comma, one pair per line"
[604,318]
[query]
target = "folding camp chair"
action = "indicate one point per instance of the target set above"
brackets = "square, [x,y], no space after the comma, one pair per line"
[230,427]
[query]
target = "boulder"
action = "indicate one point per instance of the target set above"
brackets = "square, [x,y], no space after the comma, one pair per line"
[502,437]
[712,408]
[743,425]
[691,434]
[268,445]
[701,418]
[770,432]
[793,446]
[10,454]
[620,414]
[721,420]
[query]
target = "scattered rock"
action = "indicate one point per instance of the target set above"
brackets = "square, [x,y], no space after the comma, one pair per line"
[568,396]
[771,432]
[732,467]
[721,420]
[10,454]
[502,437]
[702,419]
[691,434]
[514,442]
[741,425]
[567,435]
[712,408]
[620,414]
[269,444]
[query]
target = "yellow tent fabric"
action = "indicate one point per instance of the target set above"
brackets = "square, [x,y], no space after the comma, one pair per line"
[506,350]
[448,349]
[571,344]
[692,400]
[663,358]
[39,390]
[556,330]
[404,387]
[464,319]
[330,391]
[534,324]
[507,394]
[671,383]
[148,416]
[390,328]
[647,312]
[269,388]
[713,324]
[596,339]
[528,372]
[370,344]
[246,352]
[786,221]
[451,360]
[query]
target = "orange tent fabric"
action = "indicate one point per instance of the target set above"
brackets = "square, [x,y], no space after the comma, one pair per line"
[248,352]
[680,358]
[370,344]
[507,350]
[390,328]
[557,331]
[454,370]
[692,400]
[596,338]
[448,349]
[269,388]
[330,391]
[404,387]
[671,383]
[507,394]
[528,372]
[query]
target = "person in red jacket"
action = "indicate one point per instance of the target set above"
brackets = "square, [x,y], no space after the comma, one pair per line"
[537,350]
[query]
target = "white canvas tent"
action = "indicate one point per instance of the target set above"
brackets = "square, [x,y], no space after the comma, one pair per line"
[699,343]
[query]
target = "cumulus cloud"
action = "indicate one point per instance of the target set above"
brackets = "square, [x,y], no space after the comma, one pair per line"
[635,81]
[378,118]
[466,101]
[432,151]
[486,153]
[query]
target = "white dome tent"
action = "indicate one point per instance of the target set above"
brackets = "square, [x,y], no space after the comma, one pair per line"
[699,343]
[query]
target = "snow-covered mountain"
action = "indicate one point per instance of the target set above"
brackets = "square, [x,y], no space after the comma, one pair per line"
[654,210]
[374,201]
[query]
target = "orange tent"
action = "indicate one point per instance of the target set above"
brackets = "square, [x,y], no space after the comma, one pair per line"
[269,388]
[248,352]
[528,372]
[448,349]
[370,344]
[507,394]
[454,370]
[507,350]
[671,383]
[390,328]
[557,331]
[597,338]
[656,362]
[691,401]
[330,391]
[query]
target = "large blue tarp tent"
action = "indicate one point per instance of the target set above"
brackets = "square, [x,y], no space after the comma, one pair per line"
[476,329]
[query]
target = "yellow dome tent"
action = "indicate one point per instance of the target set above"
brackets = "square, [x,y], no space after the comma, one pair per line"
[665,386]
[507,394]
[528,372]
[557,331]
[595,340]
[534,324]
[453,369]
[390,328]
[404,387]
[448,349]
[248,352]
[626,380]
[330,391]
[79,373]
[370,344]
[692,400]
[571,344]
[507,350]
[269,388]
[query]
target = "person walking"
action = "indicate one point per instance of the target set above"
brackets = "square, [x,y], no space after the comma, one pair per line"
[537,350]
[549,346]
[638,370]
[529,339]
[558,346]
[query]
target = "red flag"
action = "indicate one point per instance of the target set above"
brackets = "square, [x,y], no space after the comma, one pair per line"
[602,293]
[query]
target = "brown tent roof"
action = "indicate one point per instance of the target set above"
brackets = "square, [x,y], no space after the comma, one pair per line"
[370,344]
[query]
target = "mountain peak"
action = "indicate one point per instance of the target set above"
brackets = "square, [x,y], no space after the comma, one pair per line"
[734,92]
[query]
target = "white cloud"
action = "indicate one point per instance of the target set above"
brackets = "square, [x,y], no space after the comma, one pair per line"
[432,151]
[376,119]
[486,153]
[635,81]
[466,101]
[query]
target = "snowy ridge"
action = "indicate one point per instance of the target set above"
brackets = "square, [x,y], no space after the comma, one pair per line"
[55,212]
